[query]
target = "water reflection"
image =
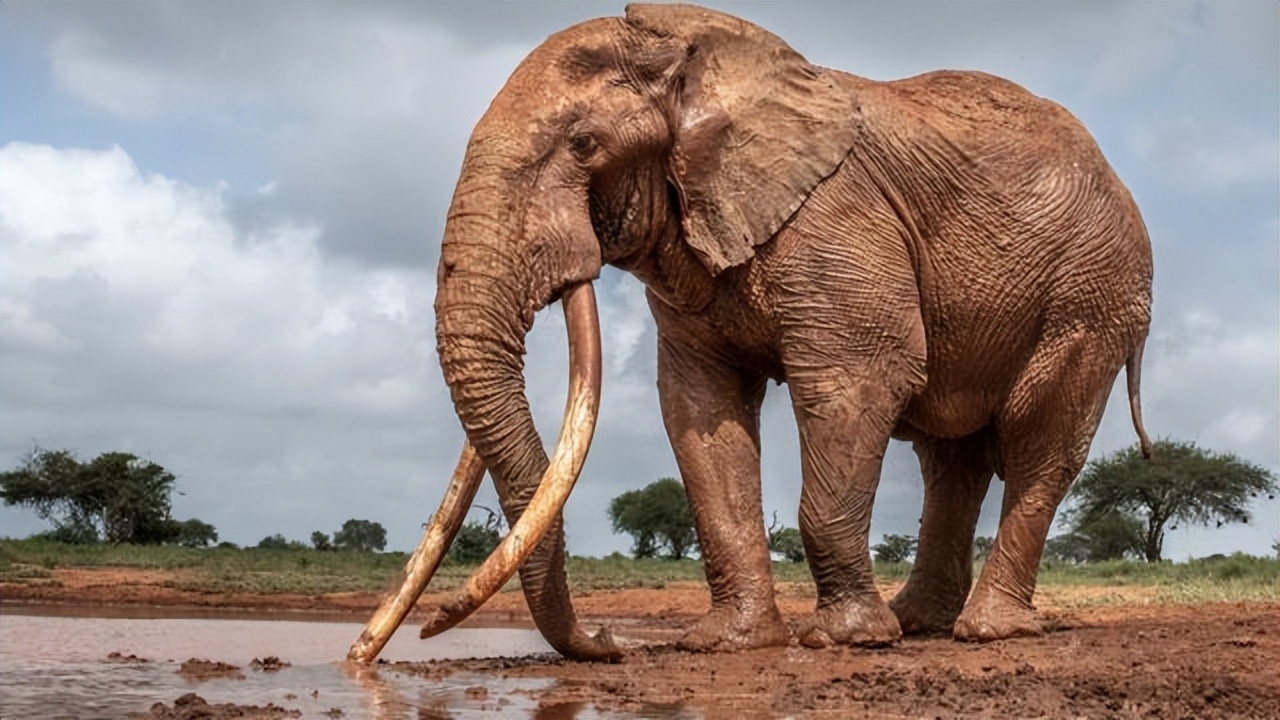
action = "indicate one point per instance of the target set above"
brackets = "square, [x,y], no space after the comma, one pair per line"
[59,666]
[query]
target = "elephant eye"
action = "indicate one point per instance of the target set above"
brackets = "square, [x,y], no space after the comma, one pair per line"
[583,145]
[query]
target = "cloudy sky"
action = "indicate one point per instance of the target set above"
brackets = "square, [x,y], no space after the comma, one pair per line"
[219,225]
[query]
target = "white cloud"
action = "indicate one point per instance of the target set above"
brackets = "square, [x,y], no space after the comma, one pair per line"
[130,298]
[216,327]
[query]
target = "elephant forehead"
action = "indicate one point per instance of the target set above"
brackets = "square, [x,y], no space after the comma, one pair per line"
[566,60]
[565,78]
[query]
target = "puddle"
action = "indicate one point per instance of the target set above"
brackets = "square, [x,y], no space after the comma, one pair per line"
[55,667]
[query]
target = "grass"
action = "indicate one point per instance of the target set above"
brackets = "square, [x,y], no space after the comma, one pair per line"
[1236,578]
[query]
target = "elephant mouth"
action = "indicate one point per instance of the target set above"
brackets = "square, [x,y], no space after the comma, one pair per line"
[581,409]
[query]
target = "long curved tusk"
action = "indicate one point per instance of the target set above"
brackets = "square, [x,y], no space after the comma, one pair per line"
[436,540]
[581,408]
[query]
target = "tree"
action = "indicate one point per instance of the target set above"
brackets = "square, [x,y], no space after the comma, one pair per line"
[1181,483]
[1067,548]
[656,517]
[982,547]
[1110,536]
[895,548]
[320,541]
[194,533]
[116,496]
[475,541]
[785,541]
[273,542]
[361,536]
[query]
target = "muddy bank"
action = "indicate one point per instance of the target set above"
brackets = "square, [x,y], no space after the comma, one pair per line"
[1153,662]
[136,592]
[1134,659]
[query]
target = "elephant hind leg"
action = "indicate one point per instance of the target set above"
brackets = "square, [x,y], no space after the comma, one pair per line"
[1043,435]
[956,475]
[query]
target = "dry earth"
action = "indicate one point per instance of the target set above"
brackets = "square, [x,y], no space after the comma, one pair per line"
[1134,660]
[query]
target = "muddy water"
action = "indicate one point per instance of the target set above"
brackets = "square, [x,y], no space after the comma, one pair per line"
[54,667]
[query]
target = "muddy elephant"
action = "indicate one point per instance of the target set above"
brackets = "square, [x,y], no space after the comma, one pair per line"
[946,259]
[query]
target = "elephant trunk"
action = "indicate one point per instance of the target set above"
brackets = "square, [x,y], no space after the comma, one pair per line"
[486,297]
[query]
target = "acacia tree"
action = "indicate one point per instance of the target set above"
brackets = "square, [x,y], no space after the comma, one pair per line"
[1067,548]
[475,541]
[274,542]
[785,541]
[194,533]
[1181,483]
[1111,535]
[657,516]
[895,548]
[117,496]
[361,536]
[320,541]
[982,545]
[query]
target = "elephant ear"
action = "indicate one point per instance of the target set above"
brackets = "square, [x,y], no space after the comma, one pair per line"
[757,129]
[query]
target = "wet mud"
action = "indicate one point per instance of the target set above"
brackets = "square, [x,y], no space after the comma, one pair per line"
[1139,660]
[193,707]
[1152,662]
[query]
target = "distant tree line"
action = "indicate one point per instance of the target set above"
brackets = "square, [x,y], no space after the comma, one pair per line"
[1119,507]
[116,497]
[121,498]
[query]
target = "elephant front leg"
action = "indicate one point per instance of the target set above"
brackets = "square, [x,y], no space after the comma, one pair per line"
[712,415]
[844,424]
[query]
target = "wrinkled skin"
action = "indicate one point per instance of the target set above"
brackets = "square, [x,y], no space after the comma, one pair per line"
[945,259]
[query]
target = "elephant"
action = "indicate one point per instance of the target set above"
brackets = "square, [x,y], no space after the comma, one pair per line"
[945,259]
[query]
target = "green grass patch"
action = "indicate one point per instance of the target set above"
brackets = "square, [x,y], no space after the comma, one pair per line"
[24,573]
[1234,578]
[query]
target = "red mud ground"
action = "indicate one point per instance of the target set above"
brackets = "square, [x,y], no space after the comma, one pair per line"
[1135,660]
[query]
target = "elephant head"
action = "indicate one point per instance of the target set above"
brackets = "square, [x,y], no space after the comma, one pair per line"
[670,143]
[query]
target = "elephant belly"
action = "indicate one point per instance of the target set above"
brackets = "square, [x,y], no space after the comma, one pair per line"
[948,413]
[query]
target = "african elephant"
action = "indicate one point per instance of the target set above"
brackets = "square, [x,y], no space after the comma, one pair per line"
[946,259]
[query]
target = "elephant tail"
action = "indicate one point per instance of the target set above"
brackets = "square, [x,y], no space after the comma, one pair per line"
[1133,373]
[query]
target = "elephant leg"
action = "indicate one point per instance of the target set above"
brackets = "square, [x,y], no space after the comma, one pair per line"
[956,476]
[1043,435]
[712,416]
[844,424]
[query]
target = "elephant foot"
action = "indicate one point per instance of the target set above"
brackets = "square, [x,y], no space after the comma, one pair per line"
[863,620]
[922,613]
[996,617]
[726,629]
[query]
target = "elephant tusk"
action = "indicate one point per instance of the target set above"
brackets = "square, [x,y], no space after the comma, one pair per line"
[422,565]
[581,409]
